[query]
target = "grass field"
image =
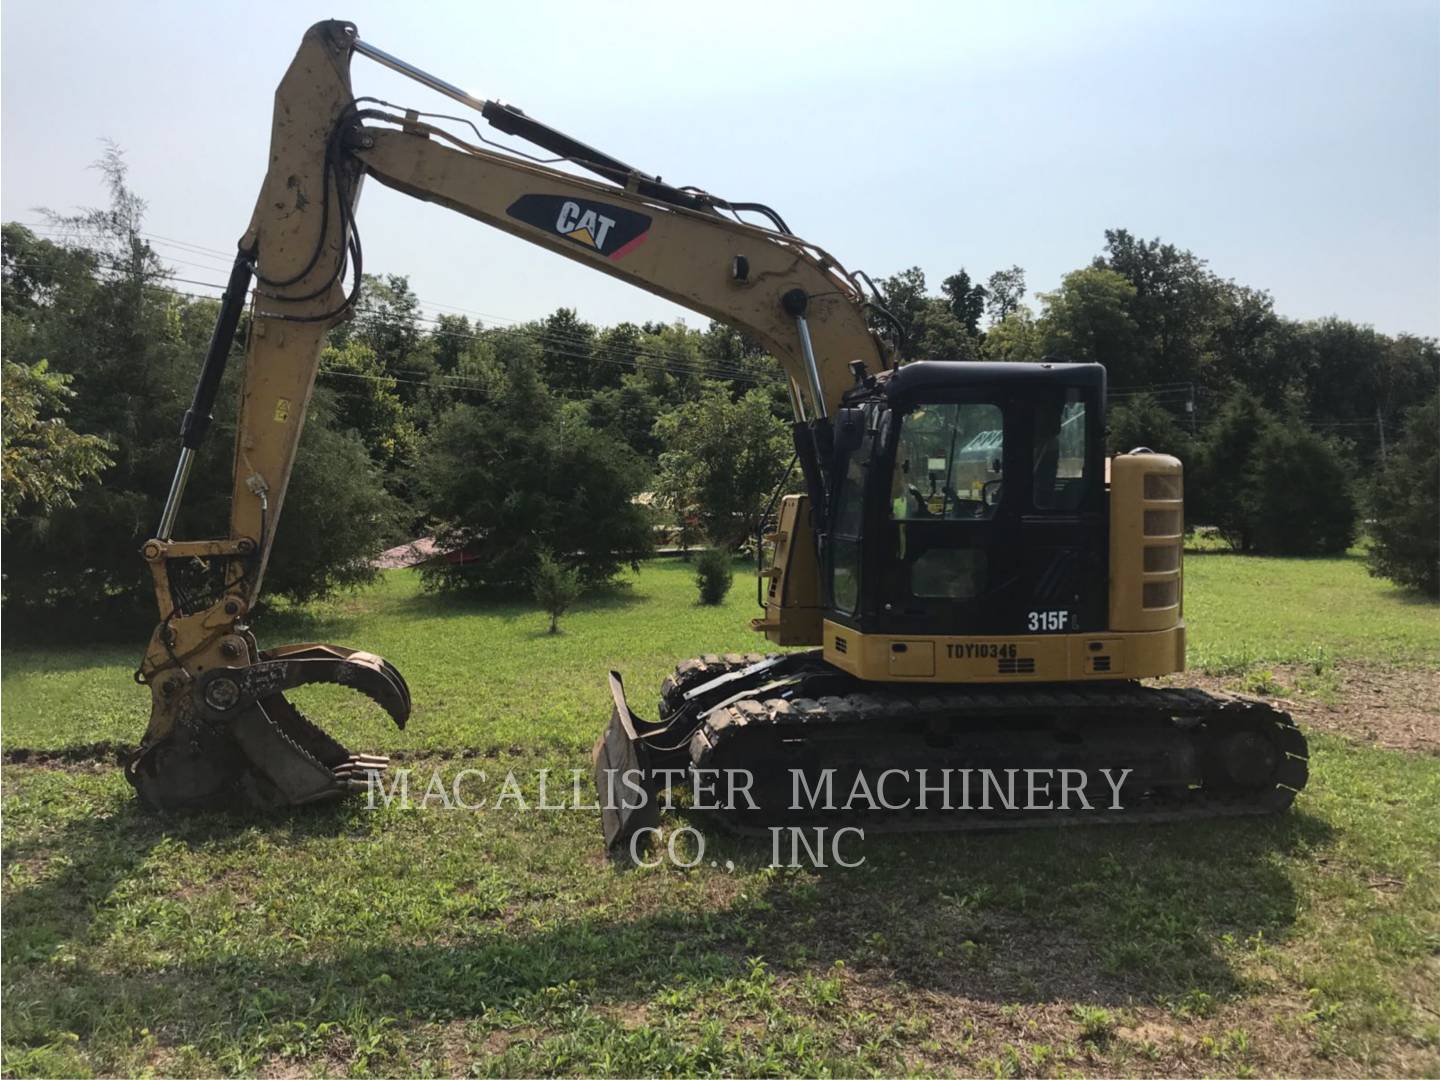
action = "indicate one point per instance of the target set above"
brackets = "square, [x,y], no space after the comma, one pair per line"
[487,676]
[348,940]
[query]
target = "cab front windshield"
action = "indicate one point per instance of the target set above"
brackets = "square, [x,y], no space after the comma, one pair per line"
[948,463]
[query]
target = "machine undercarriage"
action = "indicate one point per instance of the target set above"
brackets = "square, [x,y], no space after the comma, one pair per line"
[815,745]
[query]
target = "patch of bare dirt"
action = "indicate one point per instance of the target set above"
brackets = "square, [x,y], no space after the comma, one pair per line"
[406,555]
[1399,710]
[89,757]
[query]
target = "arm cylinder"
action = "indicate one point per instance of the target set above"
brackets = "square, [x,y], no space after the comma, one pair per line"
[201,412]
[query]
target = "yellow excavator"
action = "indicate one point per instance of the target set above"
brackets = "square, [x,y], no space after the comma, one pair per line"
[980,586]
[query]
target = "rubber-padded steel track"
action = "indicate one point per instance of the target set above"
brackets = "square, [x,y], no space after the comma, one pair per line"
[1191,754]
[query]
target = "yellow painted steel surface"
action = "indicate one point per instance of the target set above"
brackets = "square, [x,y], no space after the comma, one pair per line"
[1147,526]
[792,599]
[1001,659]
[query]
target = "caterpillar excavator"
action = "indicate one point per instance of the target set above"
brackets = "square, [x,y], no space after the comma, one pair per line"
[979,588]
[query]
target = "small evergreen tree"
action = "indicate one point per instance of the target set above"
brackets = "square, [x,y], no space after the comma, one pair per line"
[1406,505]
[556,587]
[520,471]
[713,575]
[1303,501]
[1220,486]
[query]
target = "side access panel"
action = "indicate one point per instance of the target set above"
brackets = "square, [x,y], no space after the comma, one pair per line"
[792,599]
[1033,658]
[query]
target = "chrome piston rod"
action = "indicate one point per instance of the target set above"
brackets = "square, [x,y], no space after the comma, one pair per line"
[409,70]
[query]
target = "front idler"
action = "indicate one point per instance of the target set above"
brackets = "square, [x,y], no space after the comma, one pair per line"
[237,739]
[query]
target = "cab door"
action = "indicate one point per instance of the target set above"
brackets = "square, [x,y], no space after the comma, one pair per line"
[951,521]
[994,522]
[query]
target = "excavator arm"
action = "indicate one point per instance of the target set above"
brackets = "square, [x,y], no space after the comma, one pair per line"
[220,725]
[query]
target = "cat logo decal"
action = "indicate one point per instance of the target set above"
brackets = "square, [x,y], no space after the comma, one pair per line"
[612,231]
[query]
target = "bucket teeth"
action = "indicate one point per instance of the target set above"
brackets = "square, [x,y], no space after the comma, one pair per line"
[296,775]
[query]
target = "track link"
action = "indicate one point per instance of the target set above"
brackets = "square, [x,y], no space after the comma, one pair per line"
[1190,754]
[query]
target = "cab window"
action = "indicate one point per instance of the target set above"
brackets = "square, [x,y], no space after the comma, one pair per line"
[845,541]
[948,463]
[1061,441]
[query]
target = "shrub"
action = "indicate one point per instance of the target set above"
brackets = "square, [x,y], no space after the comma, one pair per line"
[1406,505]
[713,574]
[556,587]
[1303,502]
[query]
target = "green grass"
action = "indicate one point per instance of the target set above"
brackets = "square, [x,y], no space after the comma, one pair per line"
[483,674]
[424,941]
[1244,610]
[487,676]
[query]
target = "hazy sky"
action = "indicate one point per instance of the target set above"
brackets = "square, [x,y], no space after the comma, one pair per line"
[1295,145]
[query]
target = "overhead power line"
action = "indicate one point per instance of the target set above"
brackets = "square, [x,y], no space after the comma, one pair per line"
[562,345]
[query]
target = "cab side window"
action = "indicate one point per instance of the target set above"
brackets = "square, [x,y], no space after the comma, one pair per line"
[1061,447]
[845,539]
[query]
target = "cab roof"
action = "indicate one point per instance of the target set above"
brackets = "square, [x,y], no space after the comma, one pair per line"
[930,377]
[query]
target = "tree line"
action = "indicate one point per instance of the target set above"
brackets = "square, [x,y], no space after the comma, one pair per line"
[528,445]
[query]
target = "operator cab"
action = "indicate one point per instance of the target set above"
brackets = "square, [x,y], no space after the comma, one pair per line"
[969,498]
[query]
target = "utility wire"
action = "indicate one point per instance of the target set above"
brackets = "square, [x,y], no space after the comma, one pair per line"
[713,367]
[702,368]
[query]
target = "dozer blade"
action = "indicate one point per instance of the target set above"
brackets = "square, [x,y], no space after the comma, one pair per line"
[623,784]
[236,738]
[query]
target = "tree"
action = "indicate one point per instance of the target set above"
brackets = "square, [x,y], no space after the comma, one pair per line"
[1142,421]
[556,587]
[366,397]
[723,458]
[338,513]
[387,319]
[905,299]
[97,311]
[1004,292]
[941,336]
[1244,349]
[1304,501]
[1220,487]
[628,412]
[450,340]
[1088,319]
[1017,337]
[519,472]
[567,351]
[1405,502]
[44,462]
[1175,305]
[933,327]
[966,300]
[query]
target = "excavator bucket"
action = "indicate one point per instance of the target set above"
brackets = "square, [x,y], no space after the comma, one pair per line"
[235,739]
